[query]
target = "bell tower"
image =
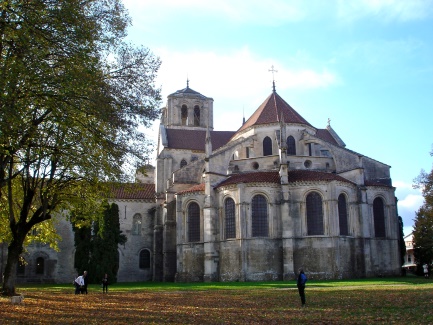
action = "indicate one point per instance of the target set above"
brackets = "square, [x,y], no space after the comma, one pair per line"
[188,109]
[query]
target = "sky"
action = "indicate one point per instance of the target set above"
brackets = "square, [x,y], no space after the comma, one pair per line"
[367,65]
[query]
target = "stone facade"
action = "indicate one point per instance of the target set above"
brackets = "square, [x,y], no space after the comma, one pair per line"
[253,204]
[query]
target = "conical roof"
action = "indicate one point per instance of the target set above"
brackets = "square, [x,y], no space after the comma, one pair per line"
[271,111]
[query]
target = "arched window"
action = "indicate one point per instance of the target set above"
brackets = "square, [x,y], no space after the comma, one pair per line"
[193,222]
[196,116]
[136,224]
[40,265]
[379,217]
[342,215]
[267,146]
[144,260]
[184,115]
[314,214]
[230,218]
[259,216]
[291,146]
[183,163]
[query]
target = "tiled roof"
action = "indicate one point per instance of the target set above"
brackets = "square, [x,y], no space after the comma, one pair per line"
[133,191]
[195,139]
[324,134]
[273,177]
[256,177]
[303,175]
[195,188]
[270,112]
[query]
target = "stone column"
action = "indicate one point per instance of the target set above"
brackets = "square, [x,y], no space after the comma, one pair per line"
[287,225]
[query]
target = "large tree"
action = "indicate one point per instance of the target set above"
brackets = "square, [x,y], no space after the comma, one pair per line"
[423,227]
[73,96]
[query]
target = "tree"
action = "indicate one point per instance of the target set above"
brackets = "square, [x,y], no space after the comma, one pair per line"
[73,95]
[97,245]
[423,227]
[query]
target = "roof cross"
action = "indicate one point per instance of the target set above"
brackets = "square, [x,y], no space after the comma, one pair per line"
[273,77]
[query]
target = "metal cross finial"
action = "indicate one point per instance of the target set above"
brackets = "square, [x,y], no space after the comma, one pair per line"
[187,82]
[273,76]
[329,121]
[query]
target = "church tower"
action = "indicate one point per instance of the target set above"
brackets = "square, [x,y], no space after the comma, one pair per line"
[188,109]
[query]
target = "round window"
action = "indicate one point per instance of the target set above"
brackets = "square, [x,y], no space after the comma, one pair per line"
[307,163]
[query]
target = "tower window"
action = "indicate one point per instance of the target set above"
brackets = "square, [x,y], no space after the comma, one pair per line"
[196,116]
[184,115]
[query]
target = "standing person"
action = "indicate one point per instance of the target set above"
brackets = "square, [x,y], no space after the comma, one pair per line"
[425,267]
[86,281]
[78,283]
[302,279]
[105,283]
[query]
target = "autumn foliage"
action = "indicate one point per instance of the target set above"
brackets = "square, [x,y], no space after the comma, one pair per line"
[380,301]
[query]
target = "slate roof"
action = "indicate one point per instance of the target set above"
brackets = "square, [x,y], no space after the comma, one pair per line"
[270,112]
[195,139]
[187,91]
[133,191]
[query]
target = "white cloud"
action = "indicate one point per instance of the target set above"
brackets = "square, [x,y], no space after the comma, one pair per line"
[385,10]
[236,74]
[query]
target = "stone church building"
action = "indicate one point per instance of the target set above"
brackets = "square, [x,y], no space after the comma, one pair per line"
[247,205]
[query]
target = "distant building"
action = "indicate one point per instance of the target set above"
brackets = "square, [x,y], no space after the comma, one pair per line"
[252,204]
[409,258]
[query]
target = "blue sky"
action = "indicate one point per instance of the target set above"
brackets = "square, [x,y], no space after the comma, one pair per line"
[366,65]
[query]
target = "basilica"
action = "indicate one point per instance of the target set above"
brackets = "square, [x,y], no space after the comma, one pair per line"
[254,204]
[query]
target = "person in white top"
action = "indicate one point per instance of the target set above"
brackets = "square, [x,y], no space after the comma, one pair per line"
[79,282]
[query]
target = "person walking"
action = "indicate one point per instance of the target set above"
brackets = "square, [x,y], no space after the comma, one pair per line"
[425,267]
[302,279]
[105,283]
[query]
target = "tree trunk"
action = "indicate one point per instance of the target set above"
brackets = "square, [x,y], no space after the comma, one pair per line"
[14,251]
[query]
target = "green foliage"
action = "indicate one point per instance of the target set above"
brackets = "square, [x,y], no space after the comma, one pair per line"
[97,246]
[423,227]
[73,96]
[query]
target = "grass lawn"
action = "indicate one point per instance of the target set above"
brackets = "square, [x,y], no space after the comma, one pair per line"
[406,300]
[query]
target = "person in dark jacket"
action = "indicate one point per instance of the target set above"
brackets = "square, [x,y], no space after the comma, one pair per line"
[302,279]
[86,282]
[105,283]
